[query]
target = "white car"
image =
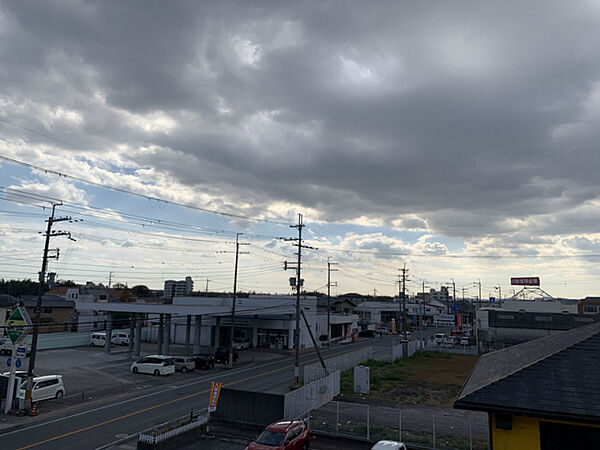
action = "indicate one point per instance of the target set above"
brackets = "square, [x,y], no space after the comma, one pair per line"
[439,338]
[389,445]
[240,344]
[44,388]
[120,337]
[155,365]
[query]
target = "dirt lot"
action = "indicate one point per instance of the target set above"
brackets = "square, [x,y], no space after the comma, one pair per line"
[429,378]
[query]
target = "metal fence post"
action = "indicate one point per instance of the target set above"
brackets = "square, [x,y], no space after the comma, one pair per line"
[400,425]
[368,423]
[337,418]
[470,437]
[433,432]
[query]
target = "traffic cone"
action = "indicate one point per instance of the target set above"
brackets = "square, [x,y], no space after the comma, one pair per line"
[33,410]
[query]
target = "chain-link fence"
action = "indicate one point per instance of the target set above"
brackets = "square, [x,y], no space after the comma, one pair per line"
[416,427]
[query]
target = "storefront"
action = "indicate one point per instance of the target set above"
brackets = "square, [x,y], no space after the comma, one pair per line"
[273,338]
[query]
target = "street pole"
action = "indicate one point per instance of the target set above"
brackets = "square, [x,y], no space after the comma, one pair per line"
[298,285]
[38,309]
[232,330]
[329,269]
[404,324]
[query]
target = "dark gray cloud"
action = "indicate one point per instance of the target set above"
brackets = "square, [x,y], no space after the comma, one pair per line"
[467,115]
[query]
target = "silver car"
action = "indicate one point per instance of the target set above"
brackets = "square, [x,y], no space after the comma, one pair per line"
[184,363]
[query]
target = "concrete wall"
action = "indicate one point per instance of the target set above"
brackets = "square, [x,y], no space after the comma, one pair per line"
[253,408]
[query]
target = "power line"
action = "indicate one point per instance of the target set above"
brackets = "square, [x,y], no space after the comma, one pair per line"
[137,194]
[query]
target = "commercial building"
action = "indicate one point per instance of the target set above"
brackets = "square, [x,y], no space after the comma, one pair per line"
[267,321]
[542,394]
[519,321]
[380,314]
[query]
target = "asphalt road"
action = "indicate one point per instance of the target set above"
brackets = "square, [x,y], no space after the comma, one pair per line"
[91,427]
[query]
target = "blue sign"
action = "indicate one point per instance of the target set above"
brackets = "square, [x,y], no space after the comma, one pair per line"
[18,363]
[492,299]
[8,361]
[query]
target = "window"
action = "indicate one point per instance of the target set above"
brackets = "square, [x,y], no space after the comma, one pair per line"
[47,310]
[590,309]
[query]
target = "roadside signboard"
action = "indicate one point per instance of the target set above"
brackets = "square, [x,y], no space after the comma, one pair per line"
[215,390]
[21,352]
[18,325]
[443,320]
[525,281]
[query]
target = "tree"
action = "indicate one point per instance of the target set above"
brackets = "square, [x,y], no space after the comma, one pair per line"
[141,291]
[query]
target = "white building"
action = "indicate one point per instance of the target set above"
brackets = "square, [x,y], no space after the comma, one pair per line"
[267,321]
[178,288]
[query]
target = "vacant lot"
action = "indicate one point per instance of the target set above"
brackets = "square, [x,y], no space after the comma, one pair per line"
[431,378]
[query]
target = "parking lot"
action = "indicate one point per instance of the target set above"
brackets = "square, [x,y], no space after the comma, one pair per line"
[90,374]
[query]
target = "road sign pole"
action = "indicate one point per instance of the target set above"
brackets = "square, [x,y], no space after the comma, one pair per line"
[10,393]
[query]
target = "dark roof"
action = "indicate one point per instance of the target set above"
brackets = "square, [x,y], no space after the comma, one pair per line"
[553,376]
[48,301]
[7,300]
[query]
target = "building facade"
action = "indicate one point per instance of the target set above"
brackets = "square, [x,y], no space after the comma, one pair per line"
[178,288]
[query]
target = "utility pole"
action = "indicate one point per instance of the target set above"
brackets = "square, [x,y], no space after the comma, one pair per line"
[298,284]
[206,290]
[402,297]
[237,252]
[453,295]
[329,270]
[110,274]
[38,309]
[423,304]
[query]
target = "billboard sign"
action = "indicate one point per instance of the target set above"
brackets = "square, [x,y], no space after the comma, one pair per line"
[525,281]
[443,320]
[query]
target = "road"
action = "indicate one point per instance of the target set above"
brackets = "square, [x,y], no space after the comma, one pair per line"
[107,421]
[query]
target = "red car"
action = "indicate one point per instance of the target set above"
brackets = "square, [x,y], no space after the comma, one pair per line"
[283,435]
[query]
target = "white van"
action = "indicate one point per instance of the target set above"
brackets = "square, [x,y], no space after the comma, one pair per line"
[120,337]
[44,388]
[97,339]
[439,338]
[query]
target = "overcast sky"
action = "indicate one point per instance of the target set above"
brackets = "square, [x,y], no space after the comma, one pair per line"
[447,132]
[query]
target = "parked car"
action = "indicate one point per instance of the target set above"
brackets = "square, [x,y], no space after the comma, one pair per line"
[97,339]
[154,364]
[283,435]
[439,338]
[366,333]
[389,445]
[222,355]
[44,388]
[241,344]
[204,361]
[120,337]
[184,363]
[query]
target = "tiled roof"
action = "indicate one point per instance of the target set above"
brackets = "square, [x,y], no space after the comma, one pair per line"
[553,376]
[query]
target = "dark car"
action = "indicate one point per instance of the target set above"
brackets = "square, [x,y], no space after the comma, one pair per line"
[283,435]
[222,355]
[204,361]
